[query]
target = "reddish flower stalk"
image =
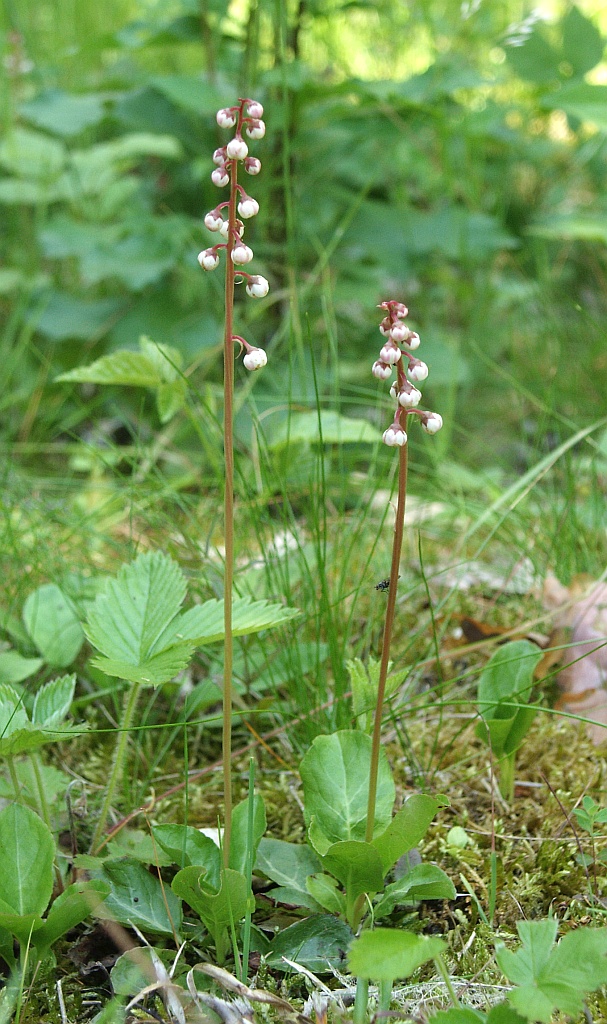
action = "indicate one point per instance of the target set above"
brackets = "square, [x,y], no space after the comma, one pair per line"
[408,396]
[246,114]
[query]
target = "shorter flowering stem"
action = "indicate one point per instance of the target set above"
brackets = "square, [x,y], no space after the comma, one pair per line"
[397,544]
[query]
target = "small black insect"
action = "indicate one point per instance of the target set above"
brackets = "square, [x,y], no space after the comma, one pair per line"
[384,585]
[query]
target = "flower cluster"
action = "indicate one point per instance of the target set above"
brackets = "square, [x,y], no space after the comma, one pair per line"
[245,116]
[403,389]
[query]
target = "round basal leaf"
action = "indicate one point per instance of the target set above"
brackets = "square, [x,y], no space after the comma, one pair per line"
[318,943]
[137,897]
[386,953]
[335,775]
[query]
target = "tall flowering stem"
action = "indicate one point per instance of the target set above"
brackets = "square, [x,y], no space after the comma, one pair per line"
[409,371]
[245,115]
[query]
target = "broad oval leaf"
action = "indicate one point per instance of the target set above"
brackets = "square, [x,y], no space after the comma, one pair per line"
[318,943]
[335,775]
[407,827]
[387,953]
[423,882]
[137,897]
[53,624]
[27,851]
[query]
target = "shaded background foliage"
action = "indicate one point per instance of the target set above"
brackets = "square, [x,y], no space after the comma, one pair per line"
[450,154]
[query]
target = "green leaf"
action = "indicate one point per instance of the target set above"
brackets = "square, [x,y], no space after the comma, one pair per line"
[582,101]
[553,977]
[217,910]
[32,155]
[71,907]
[27,852]
[385,953]
[286,863]
[133,369]
[423,882]
[357,866]
[67,316]
[53,701]
[459,1016]
[406,828]
[190,92]
[137,897]
[203,624]
[53,624]
[329,428]
[323,890]
[138,845]
[318,943]
[364,682]
[14,668]
[582,42]
[128,620]
[137,968]
[507,680]
[186,844]
[238,841]
[335,775]
[63,113]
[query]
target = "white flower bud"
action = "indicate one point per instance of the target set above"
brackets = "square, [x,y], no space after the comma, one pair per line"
[226,118]
[252,165]
[213,221]
[208,259]
[257,287]
[255,359]
[400,309]
[394,389]
[237,149]
[254,109]
[432,422]
[417,372]
[383,371]
[409,399]
[256,130]
[394,436]
[248,207]
[413,341]
[219,177]
[219,156]
[241,253]
[390,353]
[398,332]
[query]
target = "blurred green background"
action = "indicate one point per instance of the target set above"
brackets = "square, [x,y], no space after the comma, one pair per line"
[453,155]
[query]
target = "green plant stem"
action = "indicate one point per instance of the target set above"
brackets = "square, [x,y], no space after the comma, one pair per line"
[361,1002]
[444,973]
[506,776]
[228,512]
[397,544]
[130,704]
[385,995]
[13,774]
[246,935]
[45,813]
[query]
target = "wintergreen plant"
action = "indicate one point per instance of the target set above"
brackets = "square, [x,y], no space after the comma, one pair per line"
[245,115]
[504,690]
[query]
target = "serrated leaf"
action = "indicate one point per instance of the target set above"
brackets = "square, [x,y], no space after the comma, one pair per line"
[52,702]
[203,624]
[154,671]
[553,977]
[124,367]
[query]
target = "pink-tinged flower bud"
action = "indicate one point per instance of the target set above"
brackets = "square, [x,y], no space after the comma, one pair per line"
[390,353]
[418,371]
[213,221]
[385,325]
[208,259]
[394,436]
[254,109]
[241,254]
[383,371]
[432,422]
[237,149]
[257,287]
[399,332]
[410,398]
[399,308]
[255,359]
[226,118]
[219,156]
[220,177]
[224,230]
[256,130]
[394,389]
[248,207]
[252,165]
[413,341]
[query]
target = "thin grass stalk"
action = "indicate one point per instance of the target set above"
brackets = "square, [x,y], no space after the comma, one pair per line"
[397,544]
[228,511]
[130,704]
